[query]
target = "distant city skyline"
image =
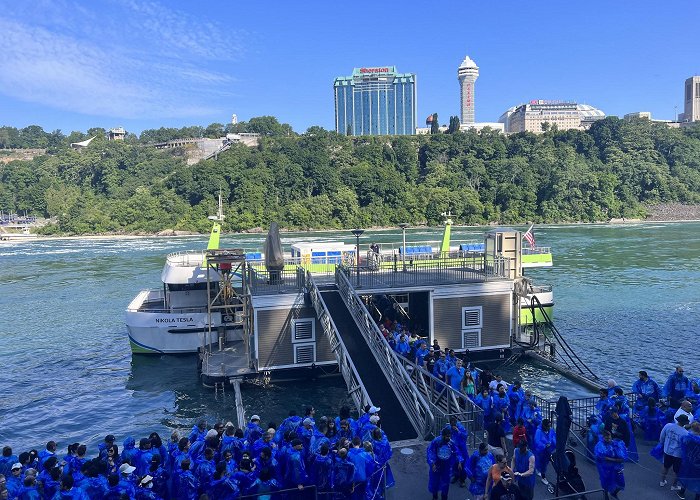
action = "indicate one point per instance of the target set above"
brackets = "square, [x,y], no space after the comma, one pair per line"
[72,65]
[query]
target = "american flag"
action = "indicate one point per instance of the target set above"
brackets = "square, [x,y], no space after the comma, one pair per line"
[530,237]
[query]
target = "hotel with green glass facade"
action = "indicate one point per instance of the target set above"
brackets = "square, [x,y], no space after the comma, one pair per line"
[375,101]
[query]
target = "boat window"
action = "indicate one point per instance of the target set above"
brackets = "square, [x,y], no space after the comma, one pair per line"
[186,287]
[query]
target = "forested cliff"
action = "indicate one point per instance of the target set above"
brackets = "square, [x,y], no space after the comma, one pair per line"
[320,179]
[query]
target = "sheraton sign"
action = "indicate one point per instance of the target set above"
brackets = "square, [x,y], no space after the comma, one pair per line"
[375,70]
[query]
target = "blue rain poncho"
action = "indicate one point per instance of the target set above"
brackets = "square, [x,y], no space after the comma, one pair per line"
[223,489]
[676,386]
[295,470]
[544,445]
[645,390]
[454,377]
[479,466]
[689,474]
[441,456]
[440,368]
[610,473]
[343,474]
[129,452]
[185,486]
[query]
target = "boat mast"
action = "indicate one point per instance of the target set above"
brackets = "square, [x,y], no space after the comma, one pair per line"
[446,235]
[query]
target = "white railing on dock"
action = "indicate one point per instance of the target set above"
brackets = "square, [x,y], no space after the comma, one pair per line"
[356,388]
[413,402]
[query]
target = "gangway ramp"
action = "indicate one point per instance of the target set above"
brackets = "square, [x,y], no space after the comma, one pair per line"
[395,421]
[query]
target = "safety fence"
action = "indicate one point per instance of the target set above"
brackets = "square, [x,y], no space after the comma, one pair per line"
[581,408]
[410,272]
[412,401]
[356,388]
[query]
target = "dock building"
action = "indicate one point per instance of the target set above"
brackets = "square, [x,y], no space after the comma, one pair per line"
[375,101]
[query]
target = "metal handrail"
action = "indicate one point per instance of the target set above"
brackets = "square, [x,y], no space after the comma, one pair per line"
[445,401]
[356,388]
[413,402]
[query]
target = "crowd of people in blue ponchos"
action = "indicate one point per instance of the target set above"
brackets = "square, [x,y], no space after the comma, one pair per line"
[304,456]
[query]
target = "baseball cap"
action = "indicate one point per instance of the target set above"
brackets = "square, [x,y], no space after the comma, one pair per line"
[126,469]
[16,465]
[374,419]
[146,479]
[681,419]
[374,409]
[308,421]
[254,417]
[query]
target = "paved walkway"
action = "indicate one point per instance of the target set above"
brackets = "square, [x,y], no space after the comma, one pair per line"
[642,479]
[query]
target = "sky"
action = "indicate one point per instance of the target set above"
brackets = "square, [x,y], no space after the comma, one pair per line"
[72,65]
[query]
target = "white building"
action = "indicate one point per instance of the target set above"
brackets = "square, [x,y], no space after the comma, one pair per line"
[533,116]
[467,73]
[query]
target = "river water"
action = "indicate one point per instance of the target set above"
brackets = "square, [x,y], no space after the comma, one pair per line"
[626,298]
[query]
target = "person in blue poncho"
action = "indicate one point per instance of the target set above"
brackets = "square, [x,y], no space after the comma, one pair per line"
[651,419]
[382,455]
[544,445]
[609,456]
[68,491]
[264,485]
[30,491]
[693,395]
[603,405]
[479,465]
[421,353]
[295,470]
[7,461]
[185,484]
[675,388]
[441,455]
[222,486]
[459,437]
[523,466]
[198,432]
[516,395]
[402,346]
[129,451]
[343,474]
[440,367]
[532,417]
[689,474]
[484,401]
[645,387]
[455,375]
[253,431]
[501,406]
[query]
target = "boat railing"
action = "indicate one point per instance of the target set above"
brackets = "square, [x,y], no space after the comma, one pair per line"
[413,272]
[413,402]
[541,288]
[186,258]
[356,388]
[536,250]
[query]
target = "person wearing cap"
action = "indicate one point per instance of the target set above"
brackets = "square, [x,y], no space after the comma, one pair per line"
[253,431]
[645,387]
[609,457]
[15,480]
[676,386]
[144,490]
[442,455]
[266,441]
[671,437]
[126,480]
[305,432]
[506,489]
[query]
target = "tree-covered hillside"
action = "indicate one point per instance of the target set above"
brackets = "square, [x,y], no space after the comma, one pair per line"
[320,179]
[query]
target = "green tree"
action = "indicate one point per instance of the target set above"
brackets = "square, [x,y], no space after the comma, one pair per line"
[434,125]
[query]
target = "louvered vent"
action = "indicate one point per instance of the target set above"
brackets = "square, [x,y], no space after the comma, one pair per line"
[304,353]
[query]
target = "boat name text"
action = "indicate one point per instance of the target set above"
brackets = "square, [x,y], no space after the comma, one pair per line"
[174,320]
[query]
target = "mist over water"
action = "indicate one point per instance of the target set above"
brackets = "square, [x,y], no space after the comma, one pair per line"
[626,299]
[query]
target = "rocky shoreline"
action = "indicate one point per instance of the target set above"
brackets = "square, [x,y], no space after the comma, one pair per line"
[672,212]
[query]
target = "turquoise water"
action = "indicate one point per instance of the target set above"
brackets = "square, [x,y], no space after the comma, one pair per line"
[626,299]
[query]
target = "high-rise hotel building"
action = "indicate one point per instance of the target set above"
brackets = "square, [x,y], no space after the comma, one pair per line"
[467,73]
[691,103]
[375,101]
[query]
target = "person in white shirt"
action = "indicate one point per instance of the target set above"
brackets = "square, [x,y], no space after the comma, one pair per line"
[687,410]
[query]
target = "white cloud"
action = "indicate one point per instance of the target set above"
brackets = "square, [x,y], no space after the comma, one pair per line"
[138,62]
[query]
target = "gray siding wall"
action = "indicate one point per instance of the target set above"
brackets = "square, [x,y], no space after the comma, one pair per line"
[447,314]
[274,328]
